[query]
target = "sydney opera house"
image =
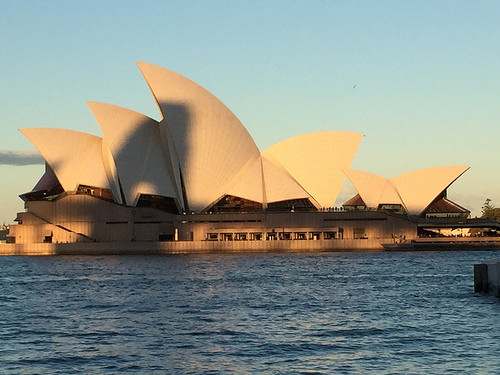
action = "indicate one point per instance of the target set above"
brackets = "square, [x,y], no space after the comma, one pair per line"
[197,180]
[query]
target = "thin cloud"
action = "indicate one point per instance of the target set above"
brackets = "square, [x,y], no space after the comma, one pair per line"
[20,158]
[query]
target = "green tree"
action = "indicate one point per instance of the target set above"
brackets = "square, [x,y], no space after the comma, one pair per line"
[489,211]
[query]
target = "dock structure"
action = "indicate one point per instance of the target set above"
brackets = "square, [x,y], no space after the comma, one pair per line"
[487,277]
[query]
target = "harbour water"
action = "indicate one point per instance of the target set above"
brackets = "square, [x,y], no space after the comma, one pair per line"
[325,313]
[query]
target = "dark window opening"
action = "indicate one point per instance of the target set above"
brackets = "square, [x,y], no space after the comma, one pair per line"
[43,195]
[339,234]
[240,237]
[230,203]
[315,236]
[285,235]
[212,236]
[301,236]
[255,236]
[292,205]
[95,192]
[271,236]
[396,208]
[159,202]
[165,237]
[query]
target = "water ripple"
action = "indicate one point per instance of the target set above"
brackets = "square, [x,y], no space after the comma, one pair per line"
[346,313]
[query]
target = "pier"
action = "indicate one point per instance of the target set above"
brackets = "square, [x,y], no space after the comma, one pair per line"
[487,277]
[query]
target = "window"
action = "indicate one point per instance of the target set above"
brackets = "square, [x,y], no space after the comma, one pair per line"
[212,236]
[329,235]
[285,235]
[256,236]
[240,237]
[271,236]
[301,236]
[315,236]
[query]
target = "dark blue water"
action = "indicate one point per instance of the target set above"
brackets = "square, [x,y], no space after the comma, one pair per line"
[360,313]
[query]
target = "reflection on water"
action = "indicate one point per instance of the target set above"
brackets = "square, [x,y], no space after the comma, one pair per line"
[248,313]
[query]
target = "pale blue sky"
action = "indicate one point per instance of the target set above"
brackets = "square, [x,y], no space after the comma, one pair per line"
[426,76]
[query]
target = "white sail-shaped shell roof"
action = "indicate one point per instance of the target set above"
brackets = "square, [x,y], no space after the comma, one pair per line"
[248,182]
[211,144]
[135,143]
[419,188]
[373,189]
[279,185]
[414,190]
[389,195]
[76,158]
[315,160]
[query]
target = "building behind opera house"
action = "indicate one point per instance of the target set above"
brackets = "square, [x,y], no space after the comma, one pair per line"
[197,177]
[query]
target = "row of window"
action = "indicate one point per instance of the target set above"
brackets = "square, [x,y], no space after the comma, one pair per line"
[273,236]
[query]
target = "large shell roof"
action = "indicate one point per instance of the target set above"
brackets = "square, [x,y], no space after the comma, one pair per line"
[212,145]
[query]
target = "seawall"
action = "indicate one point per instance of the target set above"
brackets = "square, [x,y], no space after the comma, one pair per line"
[190,247]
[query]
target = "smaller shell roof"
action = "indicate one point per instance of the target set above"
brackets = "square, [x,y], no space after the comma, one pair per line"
[373,189]
[315,160]
[419,188]
[416,190]
[75,157]
[279,184]
[135,143]
[248,183]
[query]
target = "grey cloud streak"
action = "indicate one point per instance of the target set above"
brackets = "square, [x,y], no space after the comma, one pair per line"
[20,158]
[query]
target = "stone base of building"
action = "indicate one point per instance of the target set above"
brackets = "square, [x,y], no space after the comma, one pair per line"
[190,247]
[101,224]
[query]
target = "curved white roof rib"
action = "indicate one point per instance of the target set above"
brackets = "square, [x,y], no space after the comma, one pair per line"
[134,141]
[373,189]
[315,160]
[211,144]
[419,188]
[75,157]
